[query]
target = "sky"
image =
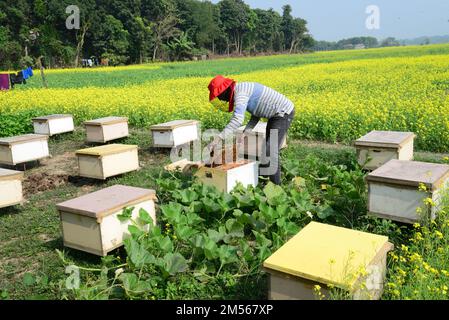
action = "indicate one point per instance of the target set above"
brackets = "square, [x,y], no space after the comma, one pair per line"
[333,20]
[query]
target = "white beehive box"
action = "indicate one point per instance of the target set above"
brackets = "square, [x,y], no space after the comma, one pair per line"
[53,124]
[22,149]
[378,147]
[393,190]
[175,133]
[255,143]
[227,176]
[324,255]
[10,187]
[107,161]
[106,129]
[89,223]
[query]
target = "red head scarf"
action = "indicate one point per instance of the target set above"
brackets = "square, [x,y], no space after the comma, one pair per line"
[220,84]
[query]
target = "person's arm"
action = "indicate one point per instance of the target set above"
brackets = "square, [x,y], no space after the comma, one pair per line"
[238,118]
[252,123]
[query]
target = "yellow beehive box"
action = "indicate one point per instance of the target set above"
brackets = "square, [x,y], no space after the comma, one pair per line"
[175,133]
[327,256]
[53,124]
[255,141]
[107,161]
[394,190]
[10,187]
[106,129]
[226,177]
[90,223]
[378,147]
[22,149]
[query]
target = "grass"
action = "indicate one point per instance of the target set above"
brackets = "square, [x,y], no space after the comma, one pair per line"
[30,267]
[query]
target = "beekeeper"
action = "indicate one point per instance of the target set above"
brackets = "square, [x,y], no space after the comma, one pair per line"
[261,102]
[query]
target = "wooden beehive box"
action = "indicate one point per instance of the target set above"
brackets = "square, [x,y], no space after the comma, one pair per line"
[106,129]
[22,149]
[53,124]
[107,161]
[378,147]
[393,190]
[90,223]
[10,187]
[226,177]
[255,142]
[327,256]
[175,133]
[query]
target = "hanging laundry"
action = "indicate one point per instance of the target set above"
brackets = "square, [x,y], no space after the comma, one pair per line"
[26,73]
[17,79]
[4,81]
[31,71]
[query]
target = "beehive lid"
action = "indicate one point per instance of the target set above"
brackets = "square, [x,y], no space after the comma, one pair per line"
[259,129]
[411,173]
[106,121]
[385,139]
[6,174]
[22,139]
[109,149]
[327,254]
[173,125]
[107,201]
[52,116]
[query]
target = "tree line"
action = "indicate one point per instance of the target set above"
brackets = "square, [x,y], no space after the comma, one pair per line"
[138,31]
[355,43]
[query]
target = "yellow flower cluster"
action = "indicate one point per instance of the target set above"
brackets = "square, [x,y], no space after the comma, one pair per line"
[339,99]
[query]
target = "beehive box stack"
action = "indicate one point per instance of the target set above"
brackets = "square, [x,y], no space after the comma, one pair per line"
[90,223]
[107,161]
[10,187]
[393,190]
[326,256]
[53,124]
[175,133]
[22,149]
[378,147]
[106,129]
[255,141]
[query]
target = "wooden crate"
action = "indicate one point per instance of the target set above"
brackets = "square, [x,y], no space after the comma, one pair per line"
[255,141]
[393,190]
[175,133]
[328,256]
[10,188]
[106,129]
[226,177]
[107,161]
[22,149]
[53,124]
[90,223]
[378,147]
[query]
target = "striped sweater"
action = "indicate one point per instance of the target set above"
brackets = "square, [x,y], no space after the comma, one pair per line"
[260,101]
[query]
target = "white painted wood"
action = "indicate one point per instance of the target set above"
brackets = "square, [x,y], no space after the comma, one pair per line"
[373,158]
[99,237]
[255,142]
[398,203]
[183,135]
[175,134]
[163,139]
[115,131]
[114,232]
[103,167]
[53,125]
[283,286]
[226,180]
[29,151]
[62,125]
[10,192]
[6,155]
[107,132]
[120,163]
[406,152]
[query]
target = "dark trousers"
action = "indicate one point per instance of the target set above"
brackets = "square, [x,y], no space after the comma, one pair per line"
[272,161]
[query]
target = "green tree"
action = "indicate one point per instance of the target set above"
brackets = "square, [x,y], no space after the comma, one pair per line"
[235,17]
